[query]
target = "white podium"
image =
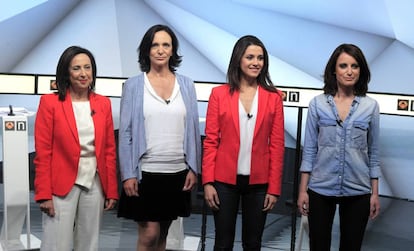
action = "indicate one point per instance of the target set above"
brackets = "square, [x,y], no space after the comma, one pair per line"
[176,240]
[16,186]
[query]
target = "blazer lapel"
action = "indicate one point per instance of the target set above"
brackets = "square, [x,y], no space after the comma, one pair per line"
[98,122]
[70,116]
[234,107]
[261,108]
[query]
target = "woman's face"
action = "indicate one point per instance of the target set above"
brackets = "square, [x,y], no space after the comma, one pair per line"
[161,49]
[252,62]
[347,70]
[80,72]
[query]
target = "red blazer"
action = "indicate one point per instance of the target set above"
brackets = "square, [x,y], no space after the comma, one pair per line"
[221,145]
[58,149]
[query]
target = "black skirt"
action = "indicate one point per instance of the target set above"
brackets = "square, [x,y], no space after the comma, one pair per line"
[161,198]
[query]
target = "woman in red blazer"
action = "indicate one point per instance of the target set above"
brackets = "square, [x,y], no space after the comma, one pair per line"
[244,146]
[75,156]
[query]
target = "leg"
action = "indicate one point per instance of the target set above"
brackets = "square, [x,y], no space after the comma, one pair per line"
[321,215]
[58,230]
[353,213]
[162,240]
[152,236]
[175,236]
[89,217]
[225,217]
[253,216]
[148,235]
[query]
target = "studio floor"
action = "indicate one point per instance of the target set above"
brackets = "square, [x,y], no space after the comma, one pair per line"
[392,230]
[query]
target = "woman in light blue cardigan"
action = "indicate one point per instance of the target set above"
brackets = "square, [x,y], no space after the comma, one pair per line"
[131,128]
[159,140]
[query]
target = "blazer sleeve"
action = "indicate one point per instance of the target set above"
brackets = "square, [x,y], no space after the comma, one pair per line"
[277,148]
[110,154]
[211,141]
[43,145]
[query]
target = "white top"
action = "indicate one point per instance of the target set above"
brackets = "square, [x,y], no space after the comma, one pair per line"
[247,123]
[164,131]
[86,132]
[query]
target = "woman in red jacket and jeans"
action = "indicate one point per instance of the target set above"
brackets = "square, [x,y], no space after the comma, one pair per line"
[244,146]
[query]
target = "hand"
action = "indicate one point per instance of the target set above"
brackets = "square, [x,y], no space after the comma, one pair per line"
[190,181]
[374,208]
[48,208]
[303,203]
[109,204]
[269,202]
[131,187]
[211,197]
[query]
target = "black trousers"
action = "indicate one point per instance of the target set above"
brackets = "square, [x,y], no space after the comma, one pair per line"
[253,217]
[353,218]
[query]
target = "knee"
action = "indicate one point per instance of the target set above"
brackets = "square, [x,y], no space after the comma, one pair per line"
[147,241]
[148,238]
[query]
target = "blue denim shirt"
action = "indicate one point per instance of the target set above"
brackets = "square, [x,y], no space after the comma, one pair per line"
[341,156]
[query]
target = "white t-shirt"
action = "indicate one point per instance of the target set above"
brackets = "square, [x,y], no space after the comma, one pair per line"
[86,132]
[247,123]
[164,131]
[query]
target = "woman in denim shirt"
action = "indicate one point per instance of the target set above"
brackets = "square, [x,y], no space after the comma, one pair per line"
[340,163]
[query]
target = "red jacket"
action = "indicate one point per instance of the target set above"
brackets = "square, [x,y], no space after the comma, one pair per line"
[58,149]
[221,145]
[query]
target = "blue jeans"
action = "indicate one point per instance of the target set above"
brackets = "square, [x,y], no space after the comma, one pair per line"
[253,217]
[353,218]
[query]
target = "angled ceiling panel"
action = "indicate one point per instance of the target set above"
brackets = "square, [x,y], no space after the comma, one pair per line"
[20,33]
[133,20]
[91,24]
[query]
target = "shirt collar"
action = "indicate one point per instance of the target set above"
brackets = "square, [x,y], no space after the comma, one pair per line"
[330,99]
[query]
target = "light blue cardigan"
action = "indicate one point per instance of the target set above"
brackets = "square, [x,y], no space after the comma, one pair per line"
[132,144]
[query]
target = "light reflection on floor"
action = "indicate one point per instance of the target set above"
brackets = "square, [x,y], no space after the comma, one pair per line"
[393,230]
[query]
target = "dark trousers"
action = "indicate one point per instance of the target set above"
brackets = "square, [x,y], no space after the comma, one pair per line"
[253,217]
[353,218]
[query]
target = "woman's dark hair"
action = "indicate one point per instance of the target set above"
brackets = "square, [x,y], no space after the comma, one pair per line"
[145,47]
[234,72]
[62,69]
[331,84]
